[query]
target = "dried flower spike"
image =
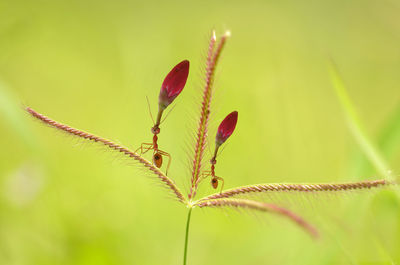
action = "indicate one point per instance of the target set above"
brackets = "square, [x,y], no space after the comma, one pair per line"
[226,128]
[214,53]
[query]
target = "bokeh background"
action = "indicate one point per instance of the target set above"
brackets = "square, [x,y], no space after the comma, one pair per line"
[91,64]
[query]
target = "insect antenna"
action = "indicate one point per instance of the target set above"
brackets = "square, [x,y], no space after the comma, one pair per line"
[148,105]
[167,114]
[220,151]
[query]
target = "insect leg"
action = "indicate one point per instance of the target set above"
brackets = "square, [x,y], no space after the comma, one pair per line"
[169,159]
[204,175]
[144,146]
[222,185]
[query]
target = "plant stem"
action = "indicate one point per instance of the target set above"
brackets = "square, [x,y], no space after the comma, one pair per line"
[187,236]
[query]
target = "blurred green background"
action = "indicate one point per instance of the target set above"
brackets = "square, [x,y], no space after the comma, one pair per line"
[91,64]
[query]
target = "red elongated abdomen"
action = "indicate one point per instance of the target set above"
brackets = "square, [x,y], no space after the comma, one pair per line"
[214,183]
[157,159]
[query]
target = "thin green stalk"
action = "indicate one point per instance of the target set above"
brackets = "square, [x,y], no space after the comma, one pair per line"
[187,236]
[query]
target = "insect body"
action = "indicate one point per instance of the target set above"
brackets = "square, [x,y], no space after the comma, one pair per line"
[172,86]
[211,173]
[225,130]
[157,153]
[214,178]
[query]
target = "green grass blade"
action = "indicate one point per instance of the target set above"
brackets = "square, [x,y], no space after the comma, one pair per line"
[13,116]
[355,125]
[389,138]
[388,142]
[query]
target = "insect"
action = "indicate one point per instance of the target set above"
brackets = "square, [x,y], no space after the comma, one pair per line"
[214,178]
[172,86]
[225,130]
[157,153]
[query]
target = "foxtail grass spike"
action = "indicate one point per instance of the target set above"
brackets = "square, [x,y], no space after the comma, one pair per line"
[212,60]
[167,181]
[323,187]
[260,206]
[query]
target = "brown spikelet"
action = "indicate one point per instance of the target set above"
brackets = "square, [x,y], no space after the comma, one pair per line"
[167,181]
[266,207]
[368,184]
[212,60]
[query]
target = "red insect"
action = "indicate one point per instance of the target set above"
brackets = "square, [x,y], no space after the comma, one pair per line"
[225,130]
[172,86]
